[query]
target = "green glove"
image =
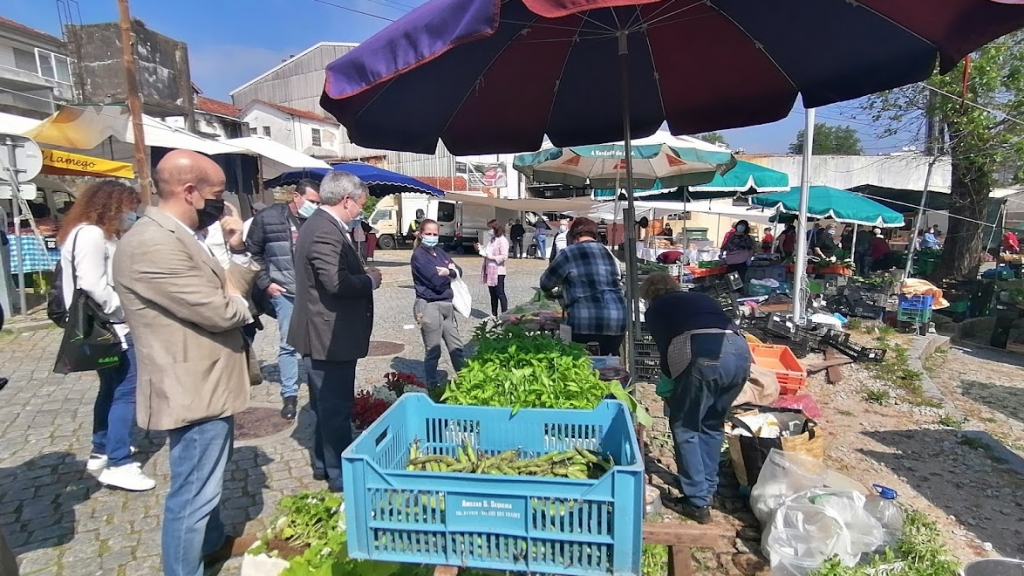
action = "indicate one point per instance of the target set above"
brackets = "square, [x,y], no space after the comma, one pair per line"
[665,386]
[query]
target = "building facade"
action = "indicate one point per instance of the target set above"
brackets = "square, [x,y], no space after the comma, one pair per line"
[298,82]
[35,71]
[308,132]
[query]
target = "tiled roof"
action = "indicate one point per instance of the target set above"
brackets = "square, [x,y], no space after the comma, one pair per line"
[297,112]
[32,31]
[211,106]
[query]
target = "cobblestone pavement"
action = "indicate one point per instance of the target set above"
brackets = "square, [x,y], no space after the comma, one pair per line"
[58,518]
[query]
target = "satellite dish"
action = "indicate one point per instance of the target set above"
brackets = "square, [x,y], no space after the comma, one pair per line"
[28,158]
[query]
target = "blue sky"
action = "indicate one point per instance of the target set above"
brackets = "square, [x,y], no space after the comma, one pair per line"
[233,41]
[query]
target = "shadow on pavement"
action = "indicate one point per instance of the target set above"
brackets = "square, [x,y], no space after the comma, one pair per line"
[38,499]
[1007,400]
[965,476]
[242,499]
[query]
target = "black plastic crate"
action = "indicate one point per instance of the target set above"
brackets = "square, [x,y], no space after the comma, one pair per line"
[862,309]
[841,342]
[648,369]
[646,350]
[780,325]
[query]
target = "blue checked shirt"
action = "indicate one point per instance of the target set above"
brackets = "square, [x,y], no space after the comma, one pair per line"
[589,277]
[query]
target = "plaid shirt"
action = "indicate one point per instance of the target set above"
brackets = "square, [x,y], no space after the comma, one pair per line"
[589,277]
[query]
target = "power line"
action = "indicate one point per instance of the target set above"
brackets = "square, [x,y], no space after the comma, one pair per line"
[370,14]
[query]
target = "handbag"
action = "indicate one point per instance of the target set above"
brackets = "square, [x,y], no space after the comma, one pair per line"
[462,301]
[749,453]
[89,341]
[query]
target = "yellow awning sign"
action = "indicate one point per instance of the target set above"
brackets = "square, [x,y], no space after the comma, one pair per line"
[68,164]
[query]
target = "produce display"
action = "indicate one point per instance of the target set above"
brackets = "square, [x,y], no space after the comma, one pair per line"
[650,268]
[576,464]
[516,368]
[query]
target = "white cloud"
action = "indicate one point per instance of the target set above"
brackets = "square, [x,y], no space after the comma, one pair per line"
[220,68]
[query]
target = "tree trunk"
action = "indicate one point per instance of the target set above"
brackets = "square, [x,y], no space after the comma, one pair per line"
[970,187]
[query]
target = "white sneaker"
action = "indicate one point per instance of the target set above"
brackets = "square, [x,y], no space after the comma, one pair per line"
[98,462]
[127,477]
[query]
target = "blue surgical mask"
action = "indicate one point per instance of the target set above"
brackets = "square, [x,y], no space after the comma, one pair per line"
[128,219]
[307,209]
[429,241]
[741,228]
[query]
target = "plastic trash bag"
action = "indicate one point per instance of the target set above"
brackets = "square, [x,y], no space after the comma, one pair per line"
[784,474]
[865,532]
[889,516]
[801,537]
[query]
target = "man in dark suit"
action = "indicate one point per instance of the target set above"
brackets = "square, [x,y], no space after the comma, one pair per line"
[333,316]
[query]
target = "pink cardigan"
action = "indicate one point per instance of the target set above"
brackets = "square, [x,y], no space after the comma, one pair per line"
[495,254]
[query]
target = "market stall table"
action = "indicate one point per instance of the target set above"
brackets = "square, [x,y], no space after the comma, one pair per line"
[35,254]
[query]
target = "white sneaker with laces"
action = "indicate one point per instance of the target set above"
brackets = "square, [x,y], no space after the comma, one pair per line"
[128,477]
[98,462]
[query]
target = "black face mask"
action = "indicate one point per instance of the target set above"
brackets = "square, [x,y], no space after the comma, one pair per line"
[211,212]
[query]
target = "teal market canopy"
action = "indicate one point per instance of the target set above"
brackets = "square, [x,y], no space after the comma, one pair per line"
[741,178]
[828,202]
[661,159]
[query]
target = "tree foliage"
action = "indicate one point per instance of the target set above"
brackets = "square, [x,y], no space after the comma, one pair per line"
[982,133]
[830,140]
[713,138]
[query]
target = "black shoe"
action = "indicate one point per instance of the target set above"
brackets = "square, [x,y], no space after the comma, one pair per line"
[319,476]
[699,514]
[3,382]
[290,407]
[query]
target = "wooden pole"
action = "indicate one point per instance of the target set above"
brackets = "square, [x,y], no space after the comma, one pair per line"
[134,101]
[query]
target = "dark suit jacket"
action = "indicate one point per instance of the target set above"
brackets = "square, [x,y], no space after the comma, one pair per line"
[333,314]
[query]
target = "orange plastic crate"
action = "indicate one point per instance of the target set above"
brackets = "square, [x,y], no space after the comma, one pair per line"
[790,372]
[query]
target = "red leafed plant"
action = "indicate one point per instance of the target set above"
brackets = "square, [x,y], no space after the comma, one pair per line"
[366,409]
[399,382]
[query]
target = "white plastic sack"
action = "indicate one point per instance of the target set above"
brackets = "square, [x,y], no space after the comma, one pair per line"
[847,506]
[462,301]
[801,537]
[784,474]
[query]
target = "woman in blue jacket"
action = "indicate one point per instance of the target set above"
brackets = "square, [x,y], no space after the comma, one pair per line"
[432,272]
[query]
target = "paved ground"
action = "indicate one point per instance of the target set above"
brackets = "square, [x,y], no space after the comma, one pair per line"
[61,521]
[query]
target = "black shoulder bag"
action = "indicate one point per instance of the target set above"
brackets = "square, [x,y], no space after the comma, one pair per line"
[89,342]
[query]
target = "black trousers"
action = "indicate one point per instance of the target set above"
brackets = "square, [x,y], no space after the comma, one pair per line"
[498,296]
[331,395]
[517,247]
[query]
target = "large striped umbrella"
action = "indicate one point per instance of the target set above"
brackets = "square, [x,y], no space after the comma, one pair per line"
[487,76]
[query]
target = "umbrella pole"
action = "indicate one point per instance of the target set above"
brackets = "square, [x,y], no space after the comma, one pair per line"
[801,240]
[632,299]
[917,221]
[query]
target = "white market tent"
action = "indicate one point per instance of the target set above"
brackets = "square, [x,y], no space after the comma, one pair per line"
[609,211]
[563,205]
[276,158]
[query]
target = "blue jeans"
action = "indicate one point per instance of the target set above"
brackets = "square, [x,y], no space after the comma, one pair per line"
[287,357]
[192,524]
[113,414]
[699,405]
[542,244]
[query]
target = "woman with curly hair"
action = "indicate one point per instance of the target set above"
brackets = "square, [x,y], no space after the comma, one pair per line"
[88,239]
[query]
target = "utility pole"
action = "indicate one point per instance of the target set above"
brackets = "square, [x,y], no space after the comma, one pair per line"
[134,100]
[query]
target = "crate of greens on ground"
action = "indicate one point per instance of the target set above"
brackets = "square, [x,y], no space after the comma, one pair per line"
[544,491]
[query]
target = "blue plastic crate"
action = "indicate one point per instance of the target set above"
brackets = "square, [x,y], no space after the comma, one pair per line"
[521,523]
[920,302]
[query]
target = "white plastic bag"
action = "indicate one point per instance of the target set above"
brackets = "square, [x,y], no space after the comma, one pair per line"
[462,301]
[784,474]
[847,506]
[801,537]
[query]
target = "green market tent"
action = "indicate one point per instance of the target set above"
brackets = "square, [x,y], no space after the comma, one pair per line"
[828,202]
[741,178]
